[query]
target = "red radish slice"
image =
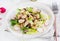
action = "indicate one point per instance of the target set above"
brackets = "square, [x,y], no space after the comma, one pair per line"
[45,24]
[2,10]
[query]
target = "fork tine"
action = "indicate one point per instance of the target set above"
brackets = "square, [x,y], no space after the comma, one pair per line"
[55,8]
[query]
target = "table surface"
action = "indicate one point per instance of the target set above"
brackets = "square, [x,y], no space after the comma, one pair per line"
[6,36]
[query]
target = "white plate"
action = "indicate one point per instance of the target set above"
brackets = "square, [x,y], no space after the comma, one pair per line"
[40,6]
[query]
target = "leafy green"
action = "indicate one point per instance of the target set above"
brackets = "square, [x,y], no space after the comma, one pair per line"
[42,21]
[24,29]
[30,19]
[29,9]
[19,9]
[14,22]
[31,31]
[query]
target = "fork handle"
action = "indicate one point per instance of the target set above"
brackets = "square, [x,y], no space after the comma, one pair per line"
[55,31]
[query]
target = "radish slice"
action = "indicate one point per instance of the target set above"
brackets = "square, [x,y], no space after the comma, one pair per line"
[2,10]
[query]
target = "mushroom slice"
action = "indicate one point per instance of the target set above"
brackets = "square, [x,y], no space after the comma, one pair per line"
[34,26]
[23,16]
[22,11]
[21,20]
[37,15]
[26,23]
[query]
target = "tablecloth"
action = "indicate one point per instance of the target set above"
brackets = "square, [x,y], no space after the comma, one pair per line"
[8,4]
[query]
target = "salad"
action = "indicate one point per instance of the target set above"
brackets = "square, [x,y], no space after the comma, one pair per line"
[28,20]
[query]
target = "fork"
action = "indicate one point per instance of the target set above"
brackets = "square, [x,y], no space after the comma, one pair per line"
[55,11]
